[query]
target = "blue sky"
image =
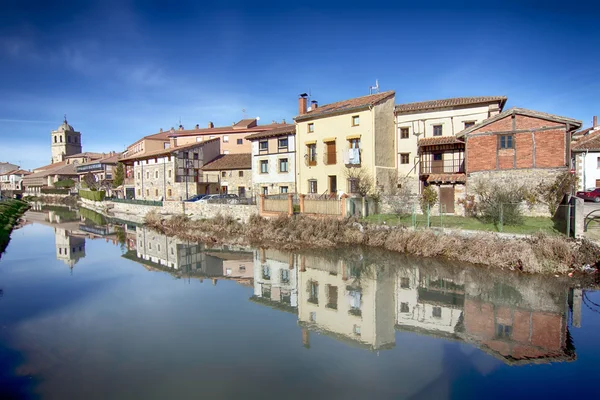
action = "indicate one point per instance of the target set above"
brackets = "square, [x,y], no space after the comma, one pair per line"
[123,69]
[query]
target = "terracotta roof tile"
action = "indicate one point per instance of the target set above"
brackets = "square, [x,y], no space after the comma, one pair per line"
[246,123]
[447,178]
[589,142]
[445,103]
[437,140]
[284,130]
[168,151]
[346,105]
[229,161]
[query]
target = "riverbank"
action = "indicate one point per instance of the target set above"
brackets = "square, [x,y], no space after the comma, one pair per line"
[539,253]
[10,212]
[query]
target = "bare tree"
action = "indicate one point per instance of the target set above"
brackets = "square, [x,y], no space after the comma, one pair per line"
[362,183]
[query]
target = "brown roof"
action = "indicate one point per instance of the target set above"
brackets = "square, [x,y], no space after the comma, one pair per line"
[289,129]
[17,172]
[447,103]
[246,123]
[107,159]
[168,151]
[574,124]
[447,178]
[86,154]
[586,143]
[240,127]
[346,106]
[229,161]
[437,140]
[50,166]
[62,169]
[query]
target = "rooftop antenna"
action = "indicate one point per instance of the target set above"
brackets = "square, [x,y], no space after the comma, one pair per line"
[374,88]
[65,118]
[244,113]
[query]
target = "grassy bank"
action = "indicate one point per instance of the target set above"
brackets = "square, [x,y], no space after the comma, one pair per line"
[530,226]
[10,212]
[538,254]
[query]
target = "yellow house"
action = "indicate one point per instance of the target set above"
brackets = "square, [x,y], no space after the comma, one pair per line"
[337,138]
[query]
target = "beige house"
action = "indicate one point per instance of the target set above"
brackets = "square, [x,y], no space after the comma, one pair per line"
[437,118]
[174,173]
[274,160]
[11,180]
[337,137]
[65,142]
[234,172]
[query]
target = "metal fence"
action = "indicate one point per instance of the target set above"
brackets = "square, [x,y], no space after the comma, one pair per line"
[156,203]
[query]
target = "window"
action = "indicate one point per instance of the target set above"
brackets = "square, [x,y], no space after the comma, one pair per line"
[55,139]
[311,127]
[313,292]
[437,130]
[313,316]
[355,120]
[150,246]
[139,192]
[147,174]
[147,192]
[356,330]
[405,283]
[170,172]
[186,155]
[156,192]
[139,175]
[263,145]
[506,142]
[156,174]
[264,166]
[195,156]
[241,174]
[437,156]
[311,154]
[266,272]
[158,247]
[75,139]
[282,143]
[598,162]
[61,139]
[285,276]
[167,145]
[241,191]
[403,133]
[169,192]
[332,297]
[404,308]
[312,186]
[69,139]
[225,139]
[283,189]
[240,141]
[223,174]
[404,158]
[199,139]
[437,312]
[283,165]
[503,331]
[469,124]
[265,190]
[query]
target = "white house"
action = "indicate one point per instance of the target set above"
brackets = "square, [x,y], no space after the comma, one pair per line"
[430,119]
[275,277]
[12,180]
[585,151]
[274,160]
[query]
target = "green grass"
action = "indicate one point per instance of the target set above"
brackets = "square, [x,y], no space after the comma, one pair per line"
[530,225]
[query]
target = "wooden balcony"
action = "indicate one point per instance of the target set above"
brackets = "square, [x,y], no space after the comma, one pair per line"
[452,166]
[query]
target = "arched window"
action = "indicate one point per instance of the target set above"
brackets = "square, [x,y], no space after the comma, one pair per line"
[55,139]
[61,139]
[75,139]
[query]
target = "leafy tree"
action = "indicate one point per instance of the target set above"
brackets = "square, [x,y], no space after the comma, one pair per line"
[90,181]
[119,175]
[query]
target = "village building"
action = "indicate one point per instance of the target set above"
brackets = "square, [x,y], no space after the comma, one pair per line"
[586,156]
[234,172]
[7,167]
[11,180]
[275,279]
[174,173]
[101,169]
[65,142]
[274,160]
[333,139]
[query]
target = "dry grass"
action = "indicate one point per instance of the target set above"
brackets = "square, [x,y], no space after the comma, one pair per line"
[538,254]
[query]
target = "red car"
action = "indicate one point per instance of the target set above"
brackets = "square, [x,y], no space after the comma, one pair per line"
[592,195]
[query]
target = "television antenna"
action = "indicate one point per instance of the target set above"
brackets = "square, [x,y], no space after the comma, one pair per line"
[374,88]
[244,113]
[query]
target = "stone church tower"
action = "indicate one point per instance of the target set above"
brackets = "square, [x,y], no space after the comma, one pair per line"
[65,142]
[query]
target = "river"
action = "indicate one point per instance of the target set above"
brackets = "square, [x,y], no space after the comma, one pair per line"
[97,309]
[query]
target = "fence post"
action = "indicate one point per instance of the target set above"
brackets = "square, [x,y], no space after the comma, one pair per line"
[428,216]
[290,205]
[302,196]
[501,227]
[568,218]
[442,211]
[261,208]
[414,217]
[343,205]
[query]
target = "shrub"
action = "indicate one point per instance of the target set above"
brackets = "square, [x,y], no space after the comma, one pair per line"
[428,198]
[500,203]
[54,191]
[65,183]
[553,193]
[92,195]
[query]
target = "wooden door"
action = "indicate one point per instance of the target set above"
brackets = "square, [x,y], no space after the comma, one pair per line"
[437,163]
[447,199]
[331,153]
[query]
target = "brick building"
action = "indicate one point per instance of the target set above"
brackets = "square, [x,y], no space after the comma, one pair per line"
[234,172]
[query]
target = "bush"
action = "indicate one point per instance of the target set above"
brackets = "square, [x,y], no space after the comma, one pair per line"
[54,191]
[428,198]
[92,195]
[65,183]
[500,203]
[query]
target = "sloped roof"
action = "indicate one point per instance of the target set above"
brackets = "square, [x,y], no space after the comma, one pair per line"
[50,166]
[346,106]
[17,172]
[447,103]
[447,178]
[229,161]
[246,123]
[586,143]
[240,127]
[289,129]
[437,140]
[86,154]
[575,124]
[168,151]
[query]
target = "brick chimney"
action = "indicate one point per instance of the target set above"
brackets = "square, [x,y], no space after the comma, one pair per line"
[210,125]
[595,121]
[313,105]
[160,130]
[302,103]
[180,127]
[197,126]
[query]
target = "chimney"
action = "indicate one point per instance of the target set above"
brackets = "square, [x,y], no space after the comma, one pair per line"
[283,122]
[173,142]
[197,126]
[302,103]
[180,127]
[595,121]
[160,130]
[314,104]
[210,125]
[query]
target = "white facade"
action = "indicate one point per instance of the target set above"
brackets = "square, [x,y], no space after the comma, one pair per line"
[587,166]
[421,124]
[274,180]
[275,276]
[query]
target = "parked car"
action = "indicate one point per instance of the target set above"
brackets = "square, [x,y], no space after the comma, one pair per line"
[196,197]
[592,195]
[208,197]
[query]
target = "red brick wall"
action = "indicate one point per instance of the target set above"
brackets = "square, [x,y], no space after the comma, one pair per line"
[550,146]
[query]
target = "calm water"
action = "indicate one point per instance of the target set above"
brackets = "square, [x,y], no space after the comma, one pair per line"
[83,316]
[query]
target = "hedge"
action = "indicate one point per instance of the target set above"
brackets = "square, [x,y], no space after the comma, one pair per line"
[65,183]
[54,191]
[97,195]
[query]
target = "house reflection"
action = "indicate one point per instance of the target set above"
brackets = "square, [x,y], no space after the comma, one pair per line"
[516,318]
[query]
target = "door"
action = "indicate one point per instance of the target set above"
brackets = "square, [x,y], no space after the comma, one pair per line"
[241,191]
[437,164]
[597,184]
[332,184]
[447,199]
[331,153]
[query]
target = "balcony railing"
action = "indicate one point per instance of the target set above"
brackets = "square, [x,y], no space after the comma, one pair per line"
[330,158]
[442,166]
[310,159]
